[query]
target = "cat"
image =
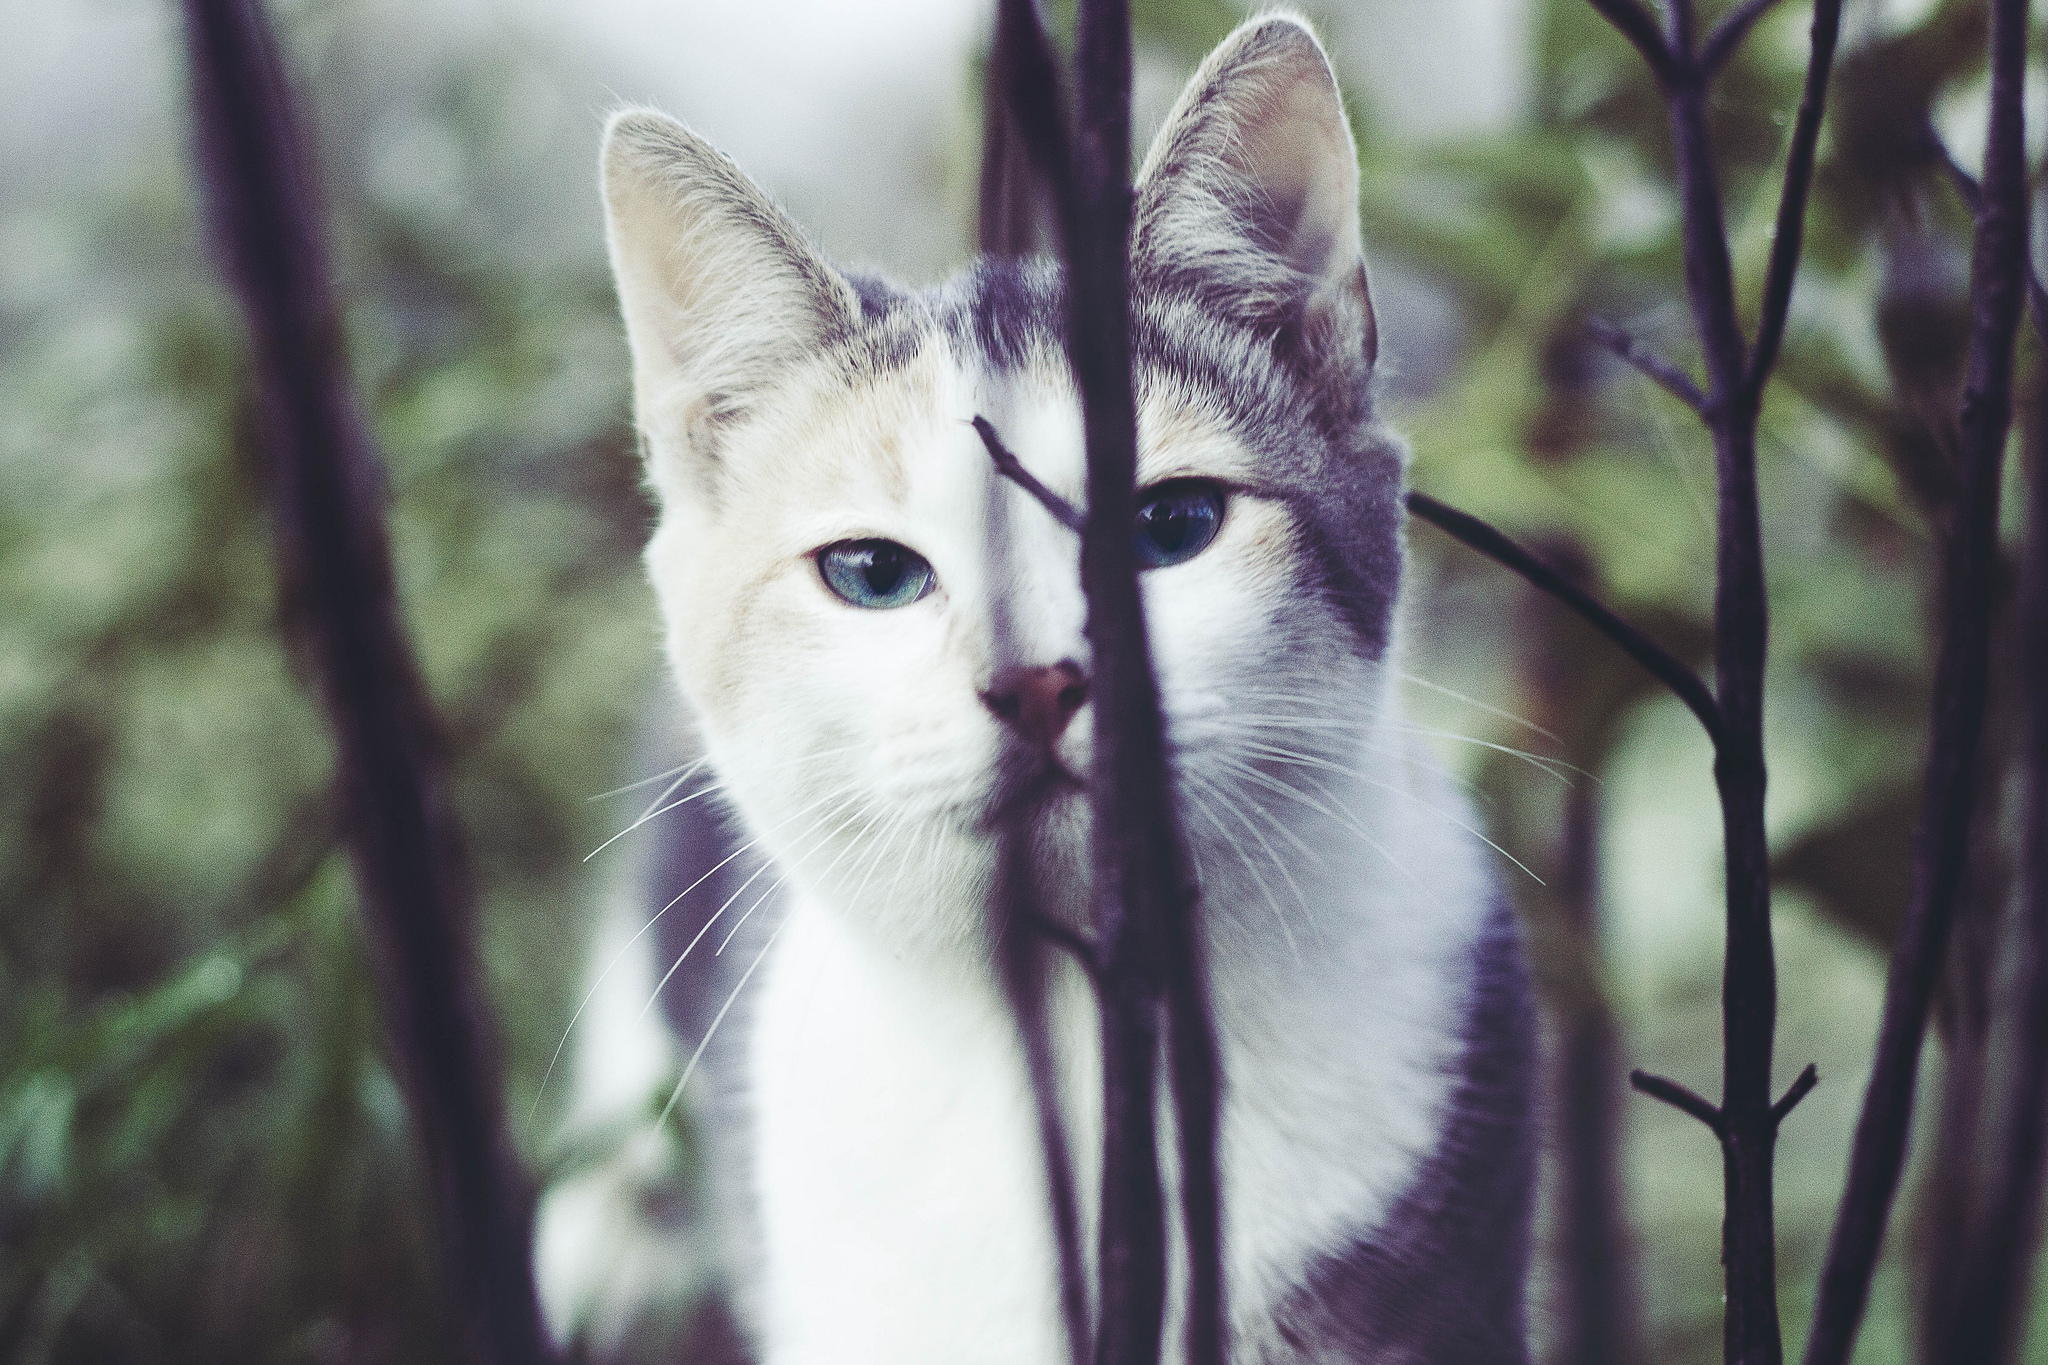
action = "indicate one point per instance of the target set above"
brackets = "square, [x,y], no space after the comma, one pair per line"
[881,644]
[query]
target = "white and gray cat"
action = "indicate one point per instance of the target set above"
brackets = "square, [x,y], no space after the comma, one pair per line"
[881,641]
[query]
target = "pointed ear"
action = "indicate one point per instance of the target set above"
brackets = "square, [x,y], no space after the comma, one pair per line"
[721,293]
[1249,195]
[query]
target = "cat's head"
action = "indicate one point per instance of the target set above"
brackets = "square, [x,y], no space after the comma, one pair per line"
[882,638]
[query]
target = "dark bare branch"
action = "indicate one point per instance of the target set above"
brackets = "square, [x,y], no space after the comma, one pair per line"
[1997,1263]
[1729,33]
[1733,390]
[1011,468]
[1998,285]
[1681,1098]
[1790,233]
[1801,1087]
[1024,970]
[1967,190]
[1148,953]
[1666,375]
[1661,664]
[412,872]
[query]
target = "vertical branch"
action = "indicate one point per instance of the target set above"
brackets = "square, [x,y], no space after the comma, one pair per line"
[1007,220]
[411,870]
[1007,226]
[1136,878]
[1998,282]
[1149,955]
[1747,1119]
[1990,1314]
[1023,965]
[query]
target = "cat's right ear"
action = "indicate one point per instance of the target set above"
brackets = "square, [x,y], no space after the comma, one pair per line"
[720,291]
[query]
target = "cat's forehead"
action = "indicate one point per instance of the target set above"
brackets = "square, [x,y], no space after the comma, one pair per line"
[885,400]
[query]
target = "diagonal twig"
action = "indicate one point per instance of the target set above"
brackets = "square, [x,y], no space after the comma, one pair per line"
[1967,190]
[1011,468]
[1790,232]
[1735,380]
[1630,351]
[1639,26]
[1679,1097]
[1661,664]
[1729,33]
[1802,1086]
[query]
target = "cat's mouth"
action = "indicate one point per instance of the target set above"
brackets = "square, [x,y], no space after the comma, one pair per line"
[1028,785]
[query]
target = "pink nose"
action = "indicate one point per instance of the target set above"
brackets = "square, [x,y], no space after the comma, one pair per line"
[1038,702]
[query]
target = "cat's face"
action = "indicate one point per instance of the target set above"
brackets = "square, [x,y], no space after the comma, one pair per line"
[883,638]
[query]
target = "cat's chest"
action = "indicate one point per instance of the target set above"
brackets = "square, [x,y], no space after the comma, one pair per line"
[898,1160]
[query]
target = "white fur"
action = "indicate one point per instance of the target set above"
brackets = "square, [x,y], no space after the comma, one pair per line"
[897,1163]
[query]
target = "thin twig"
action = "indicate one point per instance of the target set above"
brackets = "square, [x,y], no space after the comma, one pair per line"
[1011,468]
[1998,283]
[412,872]
[1679,1097]
[1790,232]
[1729,33]
[1659,662]
[1024,982]
[1801,1087]
[1967,190]
[1639,26]
[1667,376]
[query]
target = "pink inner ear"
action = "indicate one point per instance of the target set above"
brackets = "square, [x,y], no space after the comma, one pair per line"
[1300,164]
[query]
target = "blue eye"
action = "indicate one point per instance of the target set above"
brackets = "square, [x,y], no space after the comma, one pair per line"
[1176,521]
[875,573]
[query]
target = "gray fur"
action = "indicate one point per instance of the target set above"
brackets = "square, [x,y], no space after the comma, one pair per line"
[1441,1281]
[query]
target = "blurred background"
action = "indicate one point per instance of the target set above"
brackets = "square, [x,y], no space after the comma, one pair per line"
[203,1153]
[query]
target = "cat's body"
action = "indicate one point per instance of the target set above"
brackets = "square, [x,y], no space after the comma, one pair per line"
[860,610]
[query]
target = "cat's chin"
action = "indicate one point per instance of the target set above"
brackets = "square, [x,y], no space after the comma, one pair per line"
[1031,793]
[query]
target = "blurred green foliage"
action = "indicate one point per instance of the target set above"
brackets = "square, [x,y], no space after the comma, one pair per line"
[202,1153]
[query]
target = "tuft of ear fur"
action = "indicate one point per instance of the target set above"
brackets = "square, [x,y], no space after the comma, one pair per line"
[721,292]
[1249,196]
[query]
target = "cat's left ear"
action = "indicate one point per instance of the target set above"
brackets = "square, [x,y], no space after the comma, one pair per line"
[1249,196]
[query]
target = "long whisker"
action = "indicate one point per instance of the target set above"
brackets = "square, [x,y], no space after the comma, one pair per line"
[717,1019]
[670,790]
[1199,785]
[1555,767]
[619,956]
[719,913]
[1347,819]
[651,813]
[685,768]
[1479,705]
[1309,761]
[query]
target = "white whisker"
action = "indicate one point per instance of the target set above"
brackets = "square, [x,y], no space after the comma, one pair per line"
[717,1019]
[1479,705]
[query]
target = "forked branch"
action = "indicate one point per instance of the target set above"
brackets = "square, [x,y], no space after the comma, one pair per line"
[1737,372]
[1662,372]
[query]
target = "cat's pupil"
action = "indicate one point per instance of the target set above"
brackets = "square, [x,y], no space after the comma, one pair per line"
[884,568]
[1177,521]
